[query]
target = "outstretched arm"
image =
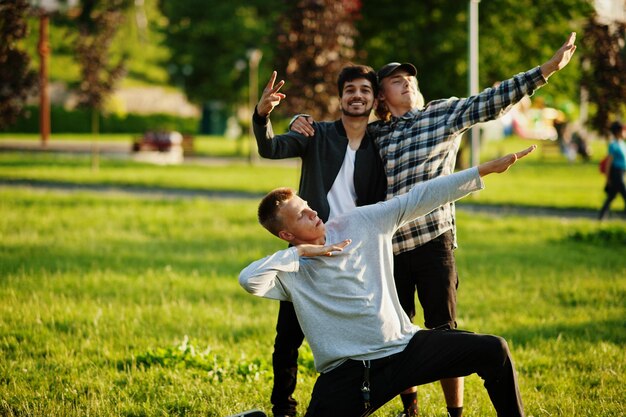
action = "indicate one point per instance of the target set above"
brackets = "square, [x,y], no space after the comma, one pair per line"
[428,195]
[561,58]
[502,164]
[493,102]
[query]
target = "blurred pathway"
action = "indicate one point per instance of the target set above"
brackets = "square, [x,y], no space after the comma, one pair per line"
[176,193]
[122,150]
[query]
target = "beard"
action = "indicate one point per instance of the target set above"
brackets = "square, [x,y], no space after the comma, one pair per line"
[365,113]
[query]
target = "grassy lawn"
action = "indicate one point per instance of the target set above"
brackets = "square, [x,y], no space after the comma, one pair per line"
[545,180]
[115,305]
[204,145]
[76,169]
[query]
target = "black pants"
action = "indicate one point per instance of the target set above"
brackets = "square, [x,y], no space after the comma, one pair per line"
[430,356]
[429,270]
[289,337]
[615,186]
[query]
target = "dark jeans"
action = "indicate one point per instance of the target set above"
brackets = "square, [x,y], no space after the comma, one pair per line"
[289,337]
[430,270]
[616,186]
[430,356]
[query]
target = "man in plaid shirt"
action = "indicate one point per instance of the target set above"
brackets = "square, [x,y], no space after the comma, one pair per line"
[418,144]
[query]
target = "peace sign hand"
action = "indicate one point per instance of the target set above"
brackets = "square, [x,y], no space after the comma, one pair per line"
[270,97]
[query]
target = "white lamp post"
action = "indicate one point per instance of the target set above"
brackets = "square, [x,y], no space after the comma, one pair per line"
[473,77]
[254,57]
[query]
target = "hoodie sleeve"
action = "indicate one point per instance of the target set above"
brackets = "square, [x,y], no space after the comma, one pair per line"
[269,277]
[423,198]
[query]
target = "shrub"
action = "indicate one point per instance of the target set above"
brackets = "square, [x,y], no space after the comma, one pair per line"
[79,121]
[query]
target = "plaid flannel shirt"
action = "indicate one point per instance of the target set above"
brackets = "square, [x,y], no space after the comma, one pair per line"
[423,144]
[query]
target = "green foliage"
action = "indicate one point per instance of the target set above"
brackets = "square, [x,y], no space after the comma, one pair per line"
[209,45]
[607,237]
[17,80]
[79,121]
[96,25]
[203,47]
[217,369]
[604,71]
[315,40]
[514,36]
[139,39]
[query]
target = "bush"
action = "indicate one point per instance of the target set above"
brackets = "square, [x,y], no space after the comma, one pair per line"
[79,121]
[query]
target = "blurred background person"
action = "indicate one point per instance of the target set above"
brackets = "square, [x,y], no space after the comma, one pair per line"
[617,165]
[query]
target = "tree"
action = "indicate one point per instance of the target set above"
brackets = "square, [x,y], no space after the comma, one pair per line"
[17,80]
[209,44]
[514,36]
[604,71]
[97,24]
[307,42]
[315,40]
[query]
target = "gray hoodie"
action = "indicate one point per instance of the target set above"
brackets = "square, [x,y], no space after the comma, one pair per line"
[347,303]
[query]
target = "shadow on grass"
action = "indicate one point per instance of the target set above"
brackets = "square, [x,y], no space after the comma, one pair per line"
[609,331]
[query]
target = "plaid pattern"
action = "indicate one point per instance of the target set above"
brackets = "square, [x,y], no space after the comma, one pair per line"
[423,144]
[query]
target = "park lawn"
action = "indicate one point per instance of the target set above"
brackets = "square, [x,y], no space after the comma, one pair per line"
[77,170]
[203,145]
[118,305]
[541,180]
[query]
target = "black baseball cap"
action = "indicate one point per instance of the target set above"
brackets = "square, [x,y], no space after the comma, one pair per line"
[392,67]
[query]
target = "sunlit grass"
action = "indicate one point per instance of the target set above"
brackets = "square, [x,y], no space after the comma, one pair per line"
[77,169]
[93,286]
[538,181]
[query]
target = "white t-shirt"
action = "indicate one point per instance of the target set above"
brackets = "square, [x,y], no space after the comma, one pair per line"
[342,195]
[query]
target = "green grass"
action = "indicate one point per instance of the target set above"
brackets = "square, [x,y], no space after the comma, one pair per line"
[543,180]
[72,169]
[114,305]
[204,145]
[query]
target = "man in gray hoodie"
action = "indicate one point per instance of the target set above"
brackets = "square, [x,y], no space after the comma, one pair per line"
[363,343]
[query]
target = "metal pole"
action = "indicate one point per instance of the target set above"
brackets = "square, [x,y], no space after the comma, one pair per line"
[44,99]
[474,132]
[254,58]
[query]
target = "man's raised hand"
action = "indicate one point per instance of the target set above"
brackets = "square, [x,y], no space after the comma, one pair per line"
[561,58]
[502,164]
[321,250]
[270,97]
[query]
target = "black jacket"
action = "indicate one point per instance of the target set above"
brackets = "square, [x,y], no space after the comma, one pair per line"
[322,156]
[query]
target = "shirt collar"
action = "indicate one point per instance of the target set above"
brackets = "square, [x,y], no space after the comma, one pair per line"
[410,115]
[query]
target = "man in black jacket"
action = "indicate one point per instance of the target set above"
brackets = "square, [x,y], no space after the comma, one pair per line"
[341,169]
